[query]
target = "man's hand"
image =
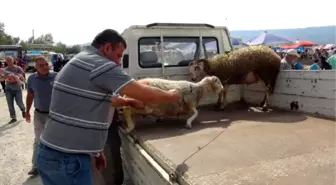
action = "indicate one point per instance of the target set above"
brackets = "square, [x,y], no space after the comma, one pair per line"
[27,117]
[135,103]
[101,161]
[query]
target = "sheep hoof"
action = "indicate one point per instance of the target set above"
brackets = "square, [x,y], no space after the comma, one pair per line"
[218,106]
[264,109]
[222,107]
[188,125]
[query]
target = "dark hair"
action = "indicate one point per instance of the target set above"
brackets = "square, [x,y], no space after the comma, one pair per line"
[108,36]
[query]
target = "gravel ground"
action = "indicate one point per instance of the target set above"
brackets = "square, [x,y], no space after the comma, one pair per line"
[16,142]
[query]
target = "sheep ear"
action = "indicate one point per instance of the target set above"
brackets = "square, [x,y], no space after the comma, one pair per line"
[201,65]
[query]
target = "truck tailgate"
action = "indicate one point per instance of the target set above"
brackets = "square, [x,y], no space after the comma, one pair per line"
[246,146]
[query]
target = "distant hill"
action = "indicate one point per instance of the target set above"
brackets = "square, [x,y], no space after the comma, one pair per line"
[319,35]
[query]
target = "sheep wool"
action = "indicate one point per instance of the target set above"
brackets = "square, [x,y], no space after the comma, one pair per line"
[246,65]
[191,93]
[261,60]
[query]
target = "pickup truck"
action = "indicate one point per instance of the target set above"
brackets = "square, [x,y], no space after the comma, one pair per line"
[292,143]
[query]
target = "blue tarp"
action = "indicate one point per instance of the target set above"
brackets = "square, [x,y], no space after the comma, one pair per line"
[268,39]
[34,52]
[237,42]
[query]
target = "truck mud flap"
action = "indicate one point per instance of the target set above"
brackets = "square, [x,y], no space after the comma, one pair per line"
[146,165]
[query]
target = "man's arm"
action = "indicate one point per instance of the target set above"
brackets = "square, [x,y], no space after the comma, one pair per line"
[146,94]
[112,77]
[118,101]
[30,94]
[22,74]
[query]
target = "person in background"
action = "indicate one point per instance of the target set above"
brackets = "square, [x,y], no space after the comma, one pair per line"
[39,90]
[25,57]
[324,64]
[22,64]
[58,63]
[82,108]
[3,83]
[289,59]
[315,66]
[13,89]
[297,65]
[332,59]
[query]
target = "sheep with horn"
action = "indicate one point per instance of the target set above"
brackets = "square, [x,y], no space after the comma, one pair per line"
[247,65]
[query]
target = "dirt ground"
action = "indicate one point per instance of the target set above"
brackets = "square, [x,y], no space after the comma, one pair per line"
[16,142]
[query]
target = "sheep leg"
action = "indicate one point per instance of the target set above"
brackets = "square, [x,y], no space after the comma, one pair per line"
[219,100]
[266,98]
[224,94]
[129,119]
[192,118]
[264,107]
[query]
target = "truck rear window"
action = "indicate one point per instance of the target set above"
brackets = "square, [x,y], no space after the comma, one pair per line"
[177,51]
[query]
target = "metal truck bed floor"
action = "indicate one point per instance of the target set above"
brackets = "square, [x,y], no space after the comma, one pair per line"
[247,146]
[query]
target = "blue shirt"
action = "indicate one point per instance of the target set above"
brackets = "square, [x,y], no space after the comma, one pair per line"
[314,66]
[298,66]
[41,87]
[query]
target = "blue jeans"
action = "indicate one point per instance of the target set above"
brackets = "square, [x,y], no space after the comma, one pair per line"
[58,168]
[10,96]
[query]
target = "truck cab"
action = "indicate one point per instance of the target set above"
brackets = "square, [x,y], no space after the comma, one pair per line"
[164,50]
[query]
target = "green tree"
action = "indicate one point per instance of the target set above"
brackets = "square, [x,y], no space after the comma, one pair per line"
[60,48]
[6,39]
[74,49]
[24,45]
[43,39]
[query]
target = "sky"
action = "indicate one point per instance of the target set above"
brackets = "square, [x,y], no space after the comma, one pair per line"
[77,22]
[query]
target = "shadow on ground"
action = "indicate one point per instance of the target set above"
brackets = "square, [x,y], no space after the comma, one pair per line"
[8,126]
[33,181]
[211,118]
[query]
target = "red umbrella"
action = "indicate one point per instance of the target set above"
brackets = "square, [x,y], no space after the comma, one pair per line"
[298,44]
[305,43]
[289,46]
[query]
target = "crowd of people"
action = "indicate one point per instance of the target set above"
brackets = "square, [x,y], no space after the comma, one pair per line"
[322,60]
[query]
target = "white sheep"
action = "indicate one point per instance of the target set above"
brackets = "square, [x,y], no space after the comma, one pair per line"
[191,92]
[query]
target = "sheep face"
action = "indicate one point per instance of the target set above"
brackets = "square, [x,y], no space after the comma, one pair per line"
[212,84]
[198,69]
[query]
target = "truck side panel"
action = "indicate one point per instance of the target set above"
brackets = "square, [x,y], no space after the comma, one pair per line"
[313,90]
[139,165]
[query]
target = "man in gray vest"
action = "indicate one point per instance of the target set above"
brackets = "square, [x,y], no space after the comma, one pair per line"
[39,89]
[84,96]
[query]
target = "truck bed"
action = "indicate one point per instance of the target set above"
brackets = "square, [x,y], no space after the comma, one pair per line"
[243,145]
